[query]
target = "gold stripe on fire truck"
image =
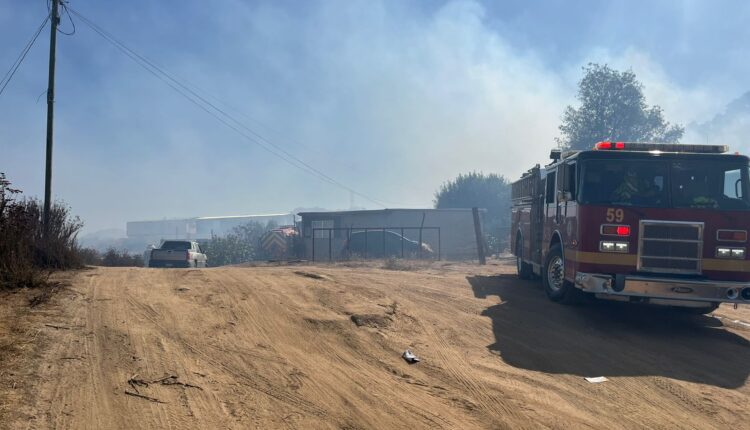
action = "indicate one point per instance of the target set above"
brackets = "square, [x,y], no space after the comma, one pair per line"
[632,260]
[601,258]
[726,265]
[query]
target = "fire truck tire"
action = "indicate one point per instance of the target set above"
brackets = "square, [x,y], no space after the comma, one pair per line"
[553,276]
[524,269]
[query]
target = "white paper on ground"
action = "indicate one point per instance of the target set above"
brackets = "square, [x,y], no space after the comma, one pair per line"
[410,357]
[596,380]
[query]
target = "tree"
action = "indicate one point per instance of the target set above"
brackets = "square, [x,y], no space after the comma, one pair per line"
[613,108]
[491,192]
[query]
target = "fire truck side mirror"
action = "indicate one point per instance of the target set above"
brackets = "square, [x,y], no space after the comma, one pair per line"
[563,170]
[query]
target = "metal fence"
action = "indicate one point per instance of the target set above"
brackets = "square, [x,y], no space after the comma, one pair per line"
[345,243]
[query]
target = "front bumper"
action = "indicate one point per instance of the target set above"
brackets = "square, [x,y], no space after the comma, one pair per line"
[657,290]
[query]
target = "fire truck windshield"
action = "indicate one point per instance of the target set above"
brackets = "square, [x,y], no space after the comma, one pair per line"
[705,184]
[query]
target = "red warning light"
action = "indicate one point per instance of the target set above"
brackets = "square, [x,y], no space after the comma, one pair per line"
[603,145]
[615,230]
[623,230]
[620,145]
[732,235]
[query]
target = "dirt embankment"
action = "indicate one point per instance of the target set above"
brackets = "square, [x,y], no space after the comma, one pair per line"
[319,347]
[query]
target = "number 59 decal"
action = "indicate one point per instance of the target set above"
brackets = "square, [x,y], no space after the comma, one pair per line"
[615,215]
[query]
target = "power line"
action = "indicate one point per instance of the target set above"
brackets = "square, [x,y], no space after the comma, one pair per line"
[218,113]
[227,106]
[16,64]
[194,88]
[64,6]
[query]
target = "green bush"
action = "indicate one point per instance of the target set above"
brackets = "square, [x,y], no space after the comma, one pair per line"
[241,245]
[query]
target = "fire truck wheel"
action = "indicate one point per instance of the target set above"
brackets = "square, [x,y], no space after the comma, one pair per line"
[524,269]
[553,276]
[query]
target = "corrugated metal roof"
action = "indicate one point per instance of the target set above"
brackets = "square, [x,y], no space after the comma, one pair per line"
[213,217]
[243,216]
[372,211]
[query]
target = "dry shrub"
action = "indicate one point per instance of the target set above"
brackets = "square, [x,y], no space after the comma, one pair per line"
[115,258]
[27,253]
[90,256]
[112,257]
[397,264]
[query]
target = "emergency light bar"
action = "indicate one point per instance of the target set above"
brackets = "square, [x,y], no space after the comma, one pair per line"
[661,147]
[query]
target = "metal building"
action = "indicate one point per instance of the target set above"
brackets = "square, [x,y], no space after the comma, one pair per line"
[199,228]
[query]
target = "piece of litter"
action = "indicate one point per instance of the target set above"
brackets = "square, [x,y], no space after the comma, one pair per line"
[410,357]
[597,379]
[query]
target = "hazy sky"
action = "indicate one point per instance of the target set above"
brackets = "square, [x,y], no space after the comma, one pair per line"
[389,98]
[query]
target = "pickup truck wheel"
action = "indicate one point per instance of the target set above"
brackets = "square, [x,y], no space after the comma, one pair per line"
[524,269]
[553,277]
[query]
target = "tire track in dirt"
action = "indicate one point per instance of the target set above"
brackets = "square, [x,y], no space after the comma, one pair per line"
[257,382]
[151,356]
[455,365]
[369,367]
[343,328]
[205,404]
[358,359]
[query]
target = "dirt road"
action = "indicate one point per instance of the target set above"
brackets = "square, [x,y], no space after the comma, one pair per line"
[319,347]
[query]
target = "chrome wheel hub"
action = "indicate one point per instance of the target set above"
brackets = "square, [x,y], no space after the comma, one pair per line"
[556,273]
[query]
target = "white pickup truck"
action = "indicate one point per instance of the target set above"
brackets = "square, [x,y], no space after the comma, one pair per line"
[178,253]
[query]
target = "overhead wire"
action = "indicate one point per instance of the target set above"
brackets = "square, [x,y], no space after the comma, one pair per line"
[227,106]
[218,113]
[19,60]
[64,5]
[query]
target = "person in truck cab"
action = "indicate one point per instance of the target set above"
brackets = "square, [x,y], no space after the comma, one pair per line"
[694,190]
[629,187]
[633,186]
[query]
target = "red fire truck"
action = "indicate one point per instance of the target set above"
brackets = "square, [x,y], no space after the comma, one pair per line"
[664,224]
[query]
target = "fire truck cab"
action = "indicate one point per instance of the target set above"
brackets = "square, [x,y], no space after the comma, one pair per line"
[664,224]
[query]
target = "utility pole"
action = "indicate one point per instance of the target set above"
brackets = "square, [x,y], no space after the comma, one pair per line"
[54,21]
